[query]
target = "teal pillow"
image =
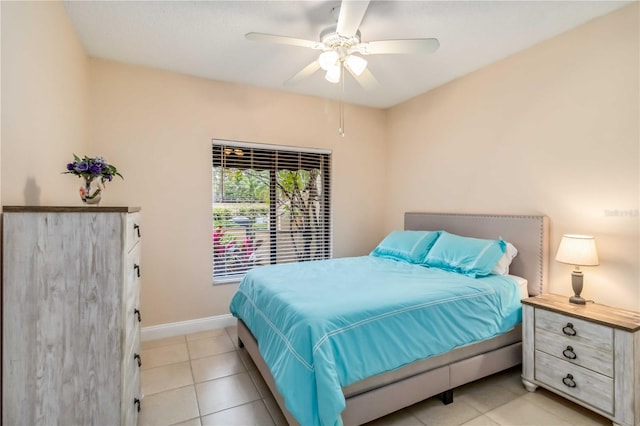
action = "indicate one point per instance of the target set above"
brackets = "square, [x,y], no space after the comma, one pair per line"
[407,246]
[473,257]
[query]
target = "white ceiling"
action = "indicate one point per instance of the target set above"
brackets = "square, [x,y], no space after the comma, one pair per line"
[206,38]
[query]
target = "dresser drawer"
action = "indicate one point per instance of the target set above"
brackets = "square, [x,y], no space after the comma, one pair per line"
[132,275]
[131,412]
[132,231]
[131,394]
[576,330]
[131,331]
[570,350]
[590,387]
[131,380]
[132,360]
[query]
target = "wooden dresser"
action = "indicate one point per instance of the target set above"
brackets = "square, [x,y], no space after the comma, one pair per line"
[70,316]
[589,354]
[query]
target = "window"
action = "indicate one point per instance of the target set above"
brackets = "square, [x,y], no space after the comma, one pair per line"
[271,205]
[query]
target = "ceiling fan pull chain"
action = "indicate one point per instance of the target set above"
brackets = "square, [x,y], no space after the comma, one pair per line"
[341,109]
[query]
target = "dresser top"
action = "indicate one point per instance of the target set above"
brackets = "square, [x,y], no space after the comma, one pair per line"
[594,312]
[69,209]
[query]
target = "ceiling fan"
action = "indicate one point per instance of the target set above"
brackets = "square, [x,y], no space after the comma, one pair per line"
[342,47]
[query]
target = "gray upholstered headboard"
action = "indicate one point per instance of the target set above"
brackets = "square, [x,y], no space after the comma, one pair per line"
[529,234]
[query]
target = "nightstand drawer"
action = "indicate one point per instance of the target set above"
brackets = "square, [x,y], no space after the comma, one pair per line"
[575,381]
[576,330]
[567,349]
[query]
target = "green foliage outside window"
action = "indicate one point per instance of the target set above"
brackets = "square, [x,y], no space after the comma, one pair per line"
[279,201]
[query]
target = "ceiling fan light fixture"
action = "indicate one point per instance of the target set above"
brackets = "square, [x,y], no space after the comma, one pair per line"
[333,74]
[355,64]
[328,59]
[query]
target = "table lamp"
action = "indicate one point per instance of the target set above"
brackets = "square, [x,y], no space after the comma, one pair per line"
[577,250]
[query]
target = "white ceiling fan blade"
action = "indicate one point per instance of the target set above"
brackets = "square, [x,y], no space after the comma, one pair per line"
[366,80]
[272,38]
[419,45]
[351,14]
[304,73]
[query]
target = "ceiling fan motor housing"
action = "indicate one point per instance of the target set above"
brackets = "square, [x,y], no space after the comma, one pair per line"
[332,40]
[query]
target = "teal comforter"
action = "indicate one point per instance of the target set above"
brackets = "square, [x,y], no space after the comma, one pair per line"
[326,324]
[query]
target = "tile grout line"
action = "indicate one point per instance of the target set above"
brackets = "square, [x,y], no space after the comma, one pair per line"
[508,388]
[201,415]
[172,390]
[193,379]
[163,345]
[144,353]
[262,397]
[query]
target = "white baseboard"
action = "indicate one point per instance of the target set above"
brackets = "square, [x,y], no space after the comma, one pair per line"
[186,327]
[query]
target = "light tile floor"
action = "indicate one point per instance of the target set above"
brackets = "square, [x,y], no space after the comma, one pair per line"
[205,379]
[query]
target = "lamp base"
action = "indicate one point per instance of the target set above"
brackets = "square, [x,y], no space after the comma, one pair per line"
[577,300]
[576,283]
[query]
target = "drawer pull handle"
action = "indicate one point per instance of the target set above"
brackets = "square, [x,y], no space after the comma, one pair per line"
[569,330]
[569,353]
[137,312]
[136,402]
[137,269]
[137,358]
[568,381]
[136,228]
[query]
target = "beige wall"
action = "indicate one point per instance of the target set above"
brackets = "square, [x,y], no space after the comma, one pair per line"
[551,130]
[157,128]
[44,104]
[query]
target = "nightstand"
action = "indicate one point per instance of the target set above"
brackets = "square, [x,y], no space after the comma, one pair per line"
[589,354]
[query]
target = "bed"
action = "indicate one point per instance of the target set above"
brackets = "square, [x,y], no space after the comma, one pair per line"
[330,362]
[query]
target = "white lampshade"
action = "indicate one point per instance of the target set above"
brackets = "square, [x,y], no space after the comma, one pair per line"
[333,74]
[328,59]
[579,250]
[355,64]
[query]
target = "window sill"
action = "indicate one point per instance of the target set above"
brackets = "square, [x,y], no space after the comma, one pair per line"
[232,279]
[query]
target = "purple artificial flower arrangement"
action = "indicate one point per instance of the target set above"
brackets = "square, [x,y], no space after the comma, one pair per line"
[91,168]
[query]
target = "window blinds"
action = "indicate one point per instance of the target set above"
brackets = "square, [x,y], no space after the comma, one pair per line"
[270,205]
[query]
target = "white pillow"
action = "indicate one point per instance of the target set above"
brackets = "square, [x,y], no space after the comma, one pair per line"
[502,267]
[523,284]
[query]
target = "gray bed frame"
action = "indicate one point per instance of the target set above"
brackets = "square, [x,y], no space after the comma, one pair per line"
[529,234]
